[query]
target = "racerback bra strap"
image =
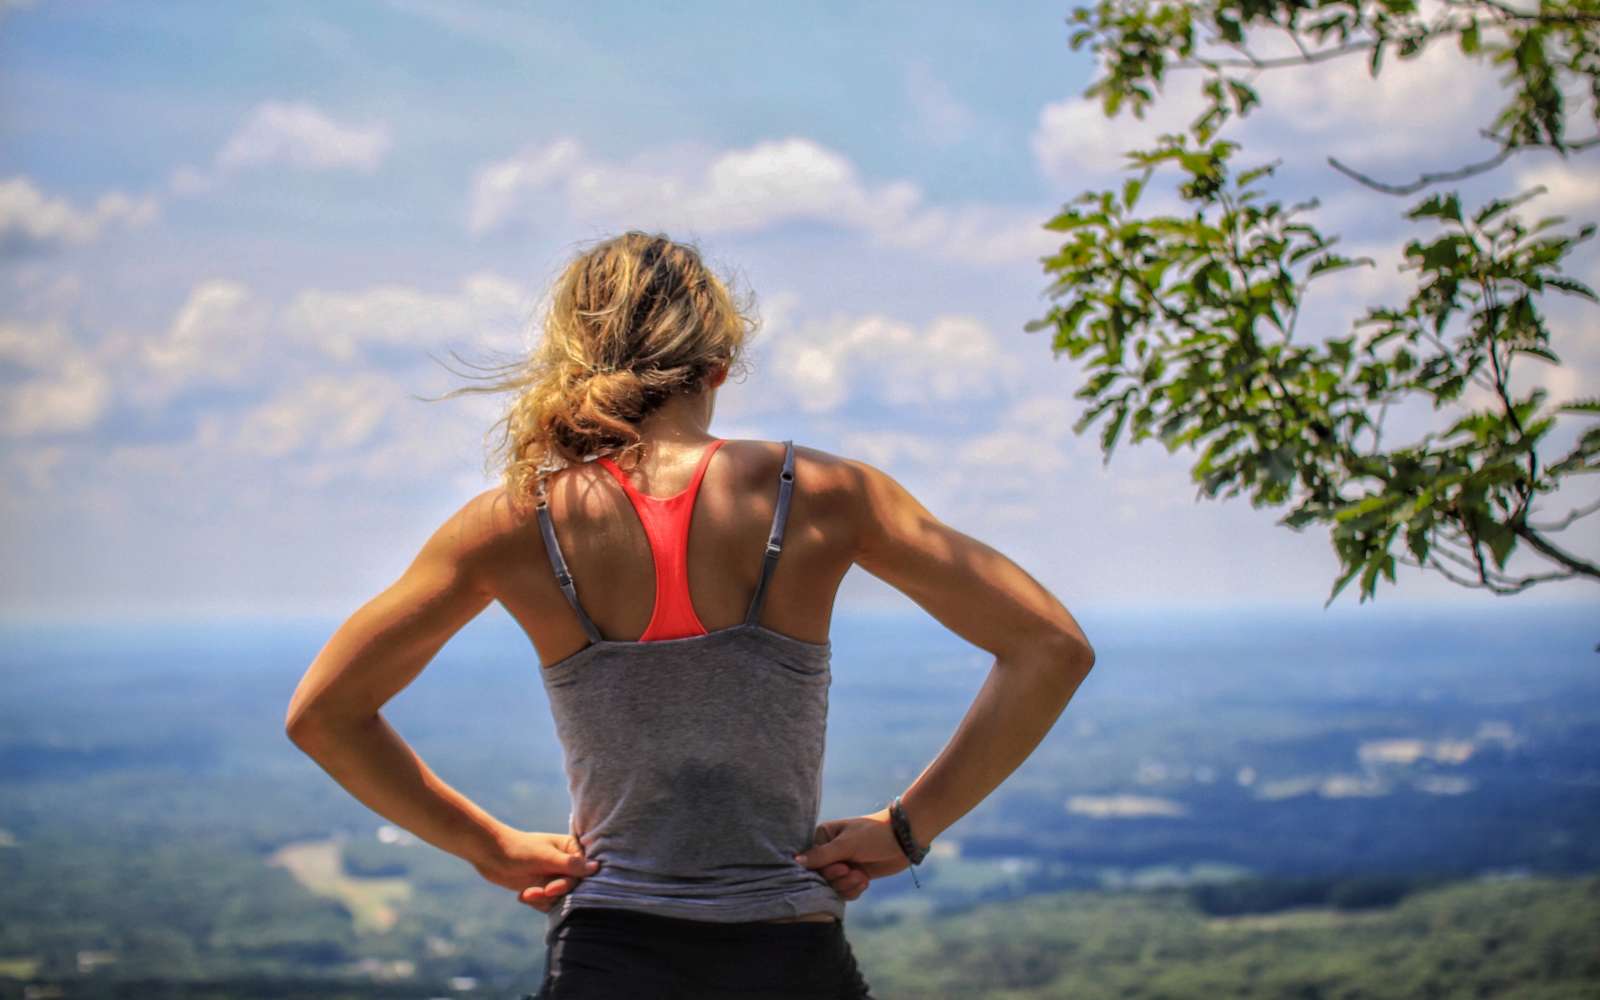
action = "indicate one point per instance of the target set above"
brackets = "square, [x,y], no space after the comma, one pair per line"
[780,518]
[559,564]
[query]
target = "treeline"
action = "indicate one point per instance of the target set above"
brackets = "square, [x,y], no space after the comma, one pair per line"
[1267,894]
[254,988]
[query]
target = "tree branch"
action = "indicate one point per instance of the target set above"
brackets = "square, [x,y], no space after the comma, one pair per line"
[1453,175]
[1509,588]
[1572,515]
[1566,559]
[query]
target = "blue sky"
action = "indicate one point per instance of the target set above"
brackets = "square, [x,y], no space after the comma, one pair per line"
[231,235]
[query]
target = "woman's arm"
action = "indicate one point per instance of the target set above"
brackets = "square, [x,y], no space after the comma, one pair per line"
[1041,657]
[334,714]
[1041,654]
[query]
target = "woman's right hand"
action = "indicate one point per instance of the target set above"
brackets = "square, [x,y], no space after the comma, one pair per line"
[849,853]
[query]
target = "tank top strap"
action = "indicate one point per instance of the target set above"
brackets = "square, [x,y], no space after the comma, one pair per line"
[780,518]
[558,562]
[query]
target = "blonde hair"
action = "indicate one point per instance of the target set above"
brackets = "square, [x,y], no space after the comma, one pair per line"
[630,323]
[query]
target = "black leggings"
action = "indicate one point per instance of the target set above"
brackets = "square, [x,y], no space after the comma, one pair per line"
[603,952]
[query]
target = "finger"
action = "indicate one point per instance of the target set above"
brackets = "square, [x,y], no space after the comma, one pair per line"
[838,869]
[850,882]
[823,854]
[557,886]
[577,864]
[536,899]
[547,890]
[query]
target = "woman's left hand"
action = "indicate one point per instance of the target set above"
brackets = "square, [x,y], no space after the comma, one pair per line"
[538,867]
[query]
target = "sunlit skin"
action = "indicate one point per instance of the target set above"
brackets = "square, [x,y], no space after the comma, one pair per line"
[486,551]
[844,514]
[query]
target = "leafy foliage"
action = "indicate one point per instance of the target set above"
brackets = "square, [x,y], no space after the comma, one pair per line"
[1188,321]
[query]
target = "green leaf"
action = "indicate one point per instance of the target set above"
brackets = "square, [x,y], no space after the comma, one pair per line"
[1327,262]
[1540,352]
[1369,575]
[1244,96]
[1500,539]
[1366,506]
[1443,206]
[1108,436]
[1340,585]
[1130,191]
[1573,286]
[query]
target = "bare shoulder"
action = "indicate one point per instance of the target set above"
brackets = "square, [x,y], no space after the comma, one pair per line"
[486,525]
[817,473]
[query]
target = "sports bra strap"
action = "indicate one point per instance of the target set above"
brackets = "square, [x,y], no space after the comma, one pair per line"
[780,518]
[559,563]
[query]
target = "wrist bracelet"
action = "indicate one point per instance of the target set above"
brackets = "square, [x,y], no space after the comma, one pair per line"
[902,833]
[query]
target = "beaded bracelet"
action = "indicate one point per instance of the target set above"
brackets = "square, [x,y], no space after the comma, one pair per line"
[902,833]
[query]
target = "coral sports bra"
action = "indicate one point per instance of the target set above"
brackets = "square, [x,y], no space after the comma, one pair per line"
[666,525]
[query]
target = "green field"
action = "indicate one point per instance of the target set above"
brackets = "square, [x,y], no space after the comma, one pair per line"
[1520,938]
[1526,938]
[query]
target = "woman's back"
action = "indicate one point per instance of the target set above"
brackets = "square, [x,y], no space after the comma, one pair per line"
[693,756]
[693,753]
[607,550]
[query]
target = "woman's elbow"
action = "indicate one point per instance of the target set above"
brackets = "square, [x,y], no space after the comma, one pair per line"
[303,724]
[1077,654]
[1064,653]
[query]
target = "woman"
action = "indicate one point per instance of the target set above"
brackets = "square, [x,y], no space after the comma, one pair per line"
[691,716]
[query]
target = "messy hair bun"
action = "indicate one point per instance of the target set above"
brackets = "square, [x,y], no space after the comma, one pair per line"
[630,323]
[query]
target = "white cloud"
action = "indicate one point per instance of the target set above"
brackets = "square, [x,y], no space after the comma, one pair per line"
[217,336]
[39,290]
[1422,110]
[32,345]
[824,365]
[498,189]
[1571,189]
[65,391]
[1017,454]
[1418,113]
[363,427]
[759,187]
[71,398]
[1073,137]
[296,135]
[325,414]
[312,425]
[300,135]
[889,450]
[487,308]
[30,220]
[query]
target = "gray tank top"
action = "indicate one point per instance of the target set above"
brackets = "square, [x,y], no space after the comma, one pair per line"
[695,762]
